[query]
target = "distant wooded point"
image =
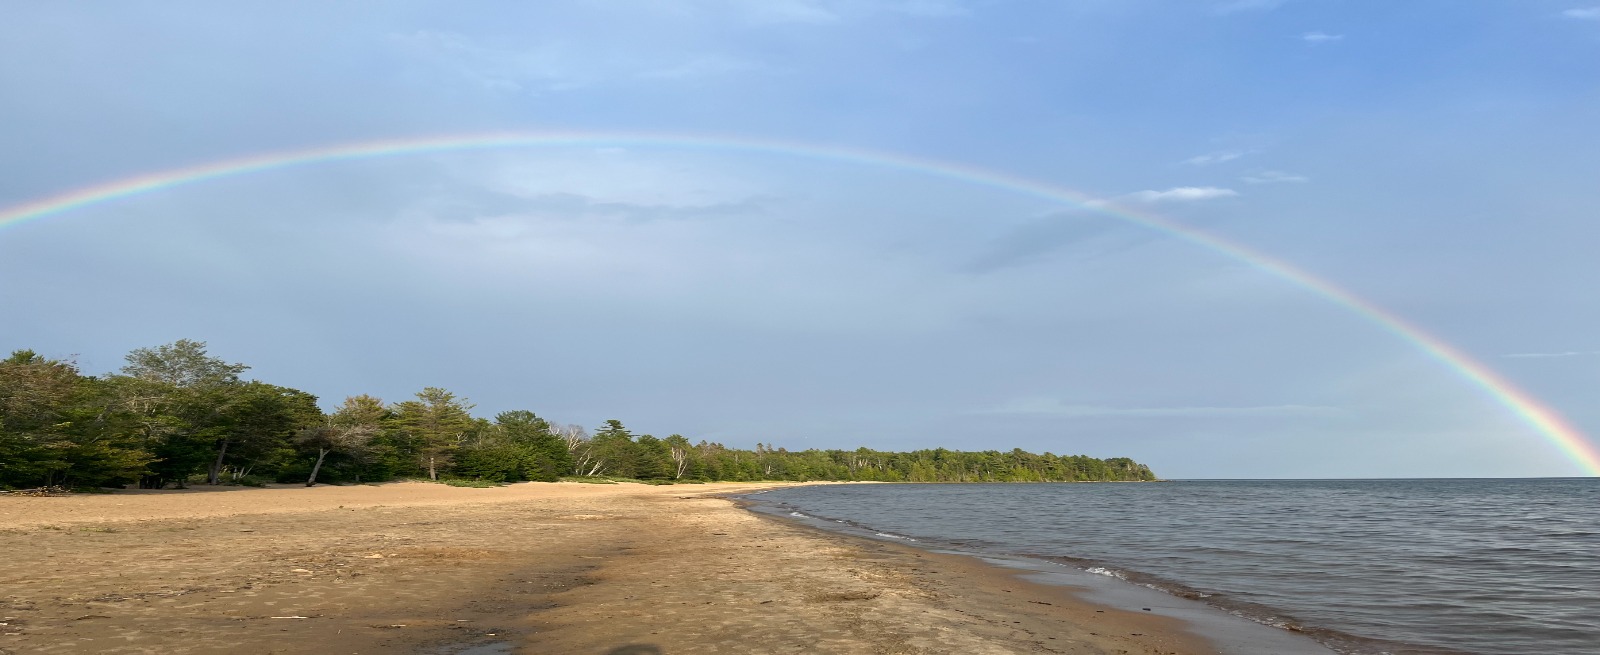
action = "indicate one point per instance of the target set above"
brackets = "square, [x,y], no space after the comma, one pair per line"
[175,416]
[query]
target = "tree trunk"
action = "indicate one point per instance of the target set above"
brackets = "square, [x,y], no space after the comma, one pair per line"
[215,476]
[433,474]
[680,459]
[321,453]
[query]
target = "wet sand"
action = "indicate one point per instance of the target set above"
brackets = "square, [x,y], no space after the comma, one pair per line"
[530,568]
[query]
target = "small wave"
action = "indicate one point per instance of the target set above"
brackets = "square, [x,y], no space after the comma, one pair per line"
[894,536]
[1111,573]
[798,515]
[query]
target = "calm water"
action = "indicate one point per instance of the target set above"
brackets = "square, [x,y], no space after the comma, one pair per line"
[1367,566]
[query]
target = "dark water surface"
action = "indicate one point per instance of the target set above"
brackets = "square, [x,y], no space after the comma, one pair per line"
[1367,566]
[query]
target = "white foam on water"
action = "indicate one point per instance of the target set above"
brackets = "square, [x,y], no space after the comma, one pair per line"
[894,536]
[1110,573]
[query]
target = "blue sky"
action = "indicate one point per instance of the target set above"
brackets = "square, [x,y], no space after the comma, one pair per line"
[1438,158]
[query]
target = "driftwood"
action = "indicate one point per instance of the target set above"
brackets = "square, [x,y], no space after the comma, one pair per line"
[38,491]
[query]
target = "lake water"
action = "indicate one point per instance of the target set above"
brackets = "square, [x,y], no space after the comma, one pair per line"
[1365,566]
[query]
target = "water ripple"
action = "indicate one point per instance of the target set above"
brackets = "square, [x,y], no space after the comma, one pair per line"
[1485,566]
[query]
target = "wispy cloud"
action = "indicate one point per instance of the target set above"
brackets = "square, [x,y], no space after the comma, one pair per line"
[1079,230]
[703,66]
[556,66]
[1273,177]
[1583,13]
[818,12]
[1085,235]
[786,11]
[1180,194]
[1569,353]
[1215,157]
[930,8]
[1248,5]
[1045,406]
[1318,38]
[496,67]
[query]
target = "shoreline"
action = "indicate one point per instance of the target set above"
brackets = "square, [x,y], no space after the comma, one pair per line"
[1227,632]
[532,567]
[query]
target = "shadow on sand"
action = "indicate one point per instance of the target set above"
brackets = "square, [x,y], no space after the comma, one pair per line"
[506,648]
[636,649]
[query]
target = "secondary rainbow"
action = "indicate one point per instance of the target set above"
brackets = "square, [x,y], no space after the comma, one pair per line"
[1544,420]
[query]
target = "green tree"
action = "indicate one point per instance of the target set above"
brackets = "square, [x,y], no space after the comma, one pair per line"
[543,454]
[652,458]
[612,450]
[177,396]
[50,430]
[183,364]
[438,422]
[34,396]
[349,431]
[254,422]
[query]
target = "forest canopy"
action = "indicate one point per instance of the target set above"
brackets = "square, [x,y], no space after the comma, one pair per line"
[175,415]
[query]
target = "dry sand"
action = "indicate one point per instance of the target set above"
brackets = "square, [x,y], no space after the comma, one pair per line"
[530,568]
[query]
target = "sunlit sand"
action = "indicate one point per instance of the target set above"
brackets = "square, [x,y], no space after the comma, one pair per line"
[557,568]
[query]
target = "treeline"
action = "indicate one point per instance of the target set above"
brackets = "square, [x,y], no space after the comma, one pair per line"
[174,415]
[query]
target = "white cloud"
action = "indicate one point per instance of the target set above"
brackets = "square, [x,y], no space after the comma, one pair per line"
[1569,353]
[1273,177]
[1583,13]
[1215,157]
[1321,37]
[1181,194]
[1045,406]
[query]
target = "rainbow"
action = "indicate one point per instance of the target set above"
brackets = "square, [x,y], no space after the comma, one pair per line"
[1544,420]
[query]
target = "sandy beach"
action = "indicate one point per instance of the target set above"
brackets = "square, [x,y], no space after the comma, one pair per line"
[623,569]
